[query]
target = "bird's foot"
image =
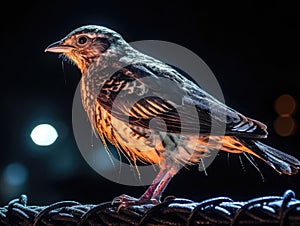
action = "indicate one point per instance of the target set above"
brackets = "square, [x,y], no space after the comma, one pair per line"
[127,201]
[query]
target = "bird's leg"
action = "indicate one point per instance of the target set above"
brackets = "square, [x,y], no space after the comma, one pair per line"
[156,195]
[152,194]
[153,186]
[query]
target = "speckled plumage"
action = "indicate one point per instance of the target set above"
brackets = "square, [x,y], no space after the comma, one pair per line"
[123,90]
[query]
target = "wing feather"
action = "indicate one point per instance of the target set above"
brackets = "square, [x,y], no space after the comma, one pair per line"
[181,105]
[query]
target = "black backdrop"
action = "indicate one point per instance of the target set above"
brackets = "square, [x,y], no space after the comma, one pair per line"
[252,48]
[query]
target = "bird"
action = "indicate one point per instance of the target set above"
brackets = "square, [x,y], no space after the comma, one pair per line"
[137,102]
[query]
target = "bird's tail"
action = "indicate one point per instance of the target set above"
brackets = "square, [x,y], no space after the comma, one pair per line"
[279,161]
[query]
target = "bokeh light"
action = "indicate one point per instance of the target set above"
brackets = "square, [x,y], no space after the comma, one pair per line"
[285,105]
[13,180]
[285,126]
[44,135]
[15,174]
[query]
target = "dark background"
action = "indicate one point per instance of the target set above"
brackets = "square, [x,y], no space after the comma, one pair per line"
[252,48]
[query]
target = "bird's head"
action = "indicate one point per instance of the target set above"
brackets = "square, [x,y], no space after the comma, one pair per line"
[87,44]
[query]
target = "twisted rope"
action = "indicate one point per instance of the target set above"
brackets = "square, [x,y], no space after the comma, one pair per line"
[269,210]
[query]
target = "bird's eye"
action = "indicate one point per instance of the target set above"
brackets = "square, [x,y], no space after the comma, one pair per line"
[82,40]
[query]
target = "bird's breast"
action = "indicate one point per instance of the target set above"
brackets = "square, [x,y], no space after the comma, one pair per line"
[99,95]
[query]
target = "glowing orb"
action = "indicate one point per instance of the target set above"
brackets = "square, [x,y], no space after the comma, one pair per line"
[44,135]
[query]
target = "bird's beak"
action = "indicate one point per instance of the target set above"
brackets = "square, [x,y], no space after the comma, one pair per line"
[58,47]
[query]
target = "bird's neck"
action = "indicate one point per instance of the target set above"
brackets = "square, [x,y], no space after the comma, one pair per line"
[83,66]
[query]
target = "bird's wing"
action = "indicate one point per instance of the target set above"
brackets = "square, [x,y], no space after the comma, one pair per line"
[139,93]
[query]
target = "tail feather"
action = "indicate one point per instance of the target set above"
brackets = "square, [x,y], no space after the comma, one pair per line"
[280,161]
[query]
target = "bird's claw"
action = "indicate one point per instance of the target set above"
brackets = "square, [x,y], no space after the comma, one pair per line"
[127,201]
